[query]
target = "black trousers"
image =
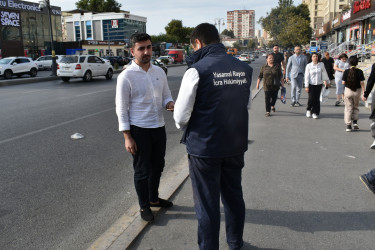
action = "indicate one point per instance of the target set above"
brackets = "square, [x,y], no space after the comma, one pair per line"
[148,162]
[270,98]
[212,178]
[313,104]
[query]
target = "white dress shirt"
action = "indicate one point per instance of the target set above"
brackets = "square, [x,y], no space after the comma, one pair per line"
[315,74]
[141,97]
[186,98]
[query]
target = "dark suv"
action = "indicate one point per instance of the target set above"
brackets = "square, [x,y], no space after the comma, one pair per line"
[115,59]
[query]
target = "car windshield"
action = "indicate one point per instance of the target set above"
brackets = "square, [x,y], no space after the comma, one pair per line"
[243,55]
[69,59]
[5,61]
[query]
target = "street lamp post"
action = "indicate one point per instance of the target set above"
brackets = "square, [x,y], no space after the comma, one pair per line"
[219,21]
[46,4]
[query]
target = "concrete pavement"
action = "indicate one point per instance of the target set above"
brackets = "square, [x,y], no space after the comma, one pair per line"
[300,182]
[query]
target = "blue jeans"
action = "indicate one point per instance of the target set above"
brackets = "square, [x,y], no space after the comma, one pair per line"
[212,178]
[296,87]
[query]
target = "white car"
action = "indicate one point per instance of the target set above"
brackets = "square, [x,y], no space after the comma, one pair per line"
[83,66]
[19,66]
[162,58]
[45,62]
[245,58]
[264,54]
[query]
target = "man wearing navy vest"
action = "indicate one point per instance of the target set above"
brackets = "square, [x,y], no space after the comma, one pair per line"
[212,109]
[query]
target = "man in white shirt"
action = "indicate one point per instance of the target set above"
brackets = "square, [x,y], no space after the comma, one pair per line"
[141,95]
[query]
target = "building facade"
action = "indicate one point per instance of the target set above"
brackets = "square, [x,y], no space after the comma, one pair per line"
[25,29]
[242,23]
[102,34]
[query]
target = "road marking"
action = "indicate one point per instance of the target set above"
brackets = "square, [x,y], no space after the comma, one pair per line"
[54,126]
[96,92]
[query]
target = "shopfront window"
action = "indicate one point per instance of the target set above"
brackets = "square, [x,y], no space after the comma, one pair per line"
[370,30]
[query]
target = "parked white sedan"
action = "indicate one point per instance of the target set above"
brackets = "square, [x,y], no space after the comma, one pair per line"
[83,66]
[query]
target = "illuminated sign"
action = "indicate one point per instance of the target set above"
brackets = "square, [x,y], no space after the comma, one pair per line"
[361,5]
[10,19]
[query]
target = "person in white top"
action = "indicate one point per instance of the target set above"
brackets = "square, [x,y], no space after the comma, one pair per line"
[142,93]
[340,66]
[315,76]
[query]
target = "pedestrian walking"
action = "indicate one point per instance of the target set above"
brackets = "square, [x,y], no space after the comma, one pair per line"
[212,108]
[315,76]
[271,75]
[354,82]
[142,93]
[369,89]
[296,68]
[340,66]
[329,64]
[278,58]
[369,180]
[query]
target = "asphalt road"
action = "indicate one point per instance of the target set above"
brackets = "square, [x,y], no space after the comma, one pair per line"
[59,193]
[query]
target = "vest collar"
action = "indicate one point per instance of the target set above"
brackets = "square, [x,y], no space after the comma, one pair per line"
[205,51]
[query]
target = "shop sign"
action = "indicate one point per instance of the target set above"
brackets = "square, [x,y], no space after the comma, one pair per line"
[346,16]
[10,19]
[354,26]
[361,5]
[373,48]
[27,6]
[114,24]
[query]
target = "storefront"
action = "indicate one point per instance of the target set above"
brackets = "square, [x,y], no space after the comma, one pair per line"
[102,48]
[362,27]
[25,29]
[335,28]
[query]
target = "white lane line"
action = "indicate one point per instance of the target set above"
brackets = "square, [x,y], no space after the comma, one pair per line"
[54,126]
[96,92]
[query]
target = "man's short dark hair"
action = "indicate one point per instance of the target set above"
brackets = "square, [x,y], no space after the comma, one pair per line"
[276,45]
[139,37]
[206,33]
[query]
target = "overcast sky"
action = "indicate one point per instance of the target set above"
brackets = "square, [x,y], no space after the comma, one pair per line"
[192,12]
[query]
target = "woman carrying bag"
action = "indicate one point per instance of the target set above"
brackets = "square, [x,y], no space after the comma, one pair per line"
[315,76]
[272,80]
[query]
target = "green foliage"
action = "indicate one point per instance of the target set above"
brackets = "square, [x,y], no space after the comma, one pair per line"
[237,46]
[164,38]
[228,33]
[252,44]
[99,5]
[285,19]
[177,30]
[165,61]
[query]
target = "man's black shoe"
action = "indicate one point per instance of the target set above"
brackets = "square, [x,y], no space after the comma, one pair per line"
[367,183]
[146,214]
[161,203]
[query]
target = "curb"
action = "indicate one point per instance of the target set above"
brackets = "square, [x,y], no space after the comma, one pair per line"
[126,229]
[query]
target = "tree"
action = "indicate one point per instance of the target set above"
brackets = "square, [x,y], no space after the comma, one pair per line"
[252,44]
[237,46]
[175,29]
[228,33]
[286,17]
[99,5]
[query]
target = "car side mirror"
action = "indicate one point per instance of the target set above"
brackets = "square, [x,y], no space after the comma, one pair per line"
[14,64]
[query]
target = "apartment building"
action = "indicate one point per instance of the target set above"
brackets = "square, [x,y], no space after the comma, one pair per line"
[242,23]
[322,11]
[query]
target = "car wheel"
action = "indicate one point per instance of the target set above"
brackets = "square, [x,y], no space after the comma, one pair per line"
[87,77]
[33,72]
[109,74]
[65,79]
[8,74]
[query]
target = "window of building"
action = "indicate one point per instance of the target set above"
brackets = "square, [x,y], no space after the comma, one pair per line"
[77,30]
[316,13]
[88,30]
[341,7]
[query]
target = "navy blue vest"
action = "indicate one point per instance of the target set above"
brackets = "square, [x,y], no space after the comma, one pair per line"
[218,126]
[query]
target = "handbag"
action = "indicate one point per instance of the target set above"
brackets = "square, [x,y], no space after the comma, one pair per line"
[324,95]
[282,95]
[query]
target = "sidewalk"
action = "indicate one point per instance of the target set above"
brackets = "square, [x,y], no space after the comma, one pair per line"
[300,183]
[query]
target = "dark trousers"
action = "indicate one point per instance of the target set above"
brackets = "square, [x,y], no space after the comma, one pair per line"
[212,178]
[271,97]
[313,104]
[148,162]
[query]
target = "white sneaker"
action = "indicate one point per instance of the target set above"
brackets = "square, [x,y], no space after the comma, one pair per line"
[308,114]
[315,116]
[355,126]
[373,145]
